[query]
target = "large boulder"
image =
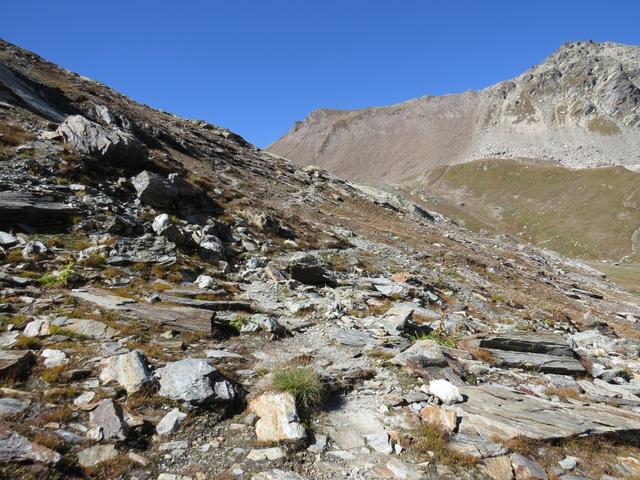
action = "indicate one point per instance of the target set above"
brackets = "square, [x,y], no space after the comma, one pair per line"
[130,370]
[194,380]
[278,418]
[110,144]
[158,191]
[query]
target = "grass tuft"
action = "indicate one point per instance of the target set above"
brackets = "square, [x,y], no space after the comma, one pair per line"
[304,384]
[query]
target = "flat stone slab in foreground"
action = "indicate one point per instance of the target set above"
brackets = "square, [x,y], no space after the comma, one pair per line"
[176,317]
[499,411]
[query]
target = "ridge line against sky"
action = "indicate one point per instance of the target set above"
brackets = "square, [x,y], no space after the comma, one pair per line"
[256,67]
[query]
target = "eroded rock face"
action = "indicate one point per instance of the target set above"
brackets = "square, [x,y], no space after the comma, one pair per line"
[109,144]
[130,370]
[278,417]
[195,381]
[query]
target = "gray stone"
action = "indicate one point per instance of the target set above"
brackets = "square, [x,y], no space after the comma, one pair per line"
[492,410]
[109,144]
[108,417]
[399,470]
[278,417]
[425,353]
[263,454]
[170,422]
[568,463]
[526,469]
[89,328]
[36,328]
[92,456]
[276,474]
[195,381]
[130,370]
[54,358]
[16,448]
[16,363]
[353,338]
[177,445]
[13,406]
[158,191]
[7,240]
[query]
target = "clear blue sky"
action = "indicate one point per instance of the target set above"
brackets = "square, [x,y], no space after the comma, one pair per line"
[257,66]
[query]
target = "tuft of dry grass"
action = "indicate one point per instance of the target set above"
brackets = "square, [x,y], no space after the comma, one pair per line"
[27,343]
[430,438]
[304,384]
[58,415]
[563,393]
[483,355]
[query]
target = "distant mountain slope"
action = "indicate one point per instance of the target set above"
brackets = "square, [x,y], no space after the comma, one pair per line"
[589,213]
[579,108]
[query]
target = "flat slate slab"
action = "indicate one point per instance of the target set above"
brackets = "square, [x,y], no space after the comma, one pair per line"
[15,363]
[493,410]
[544,352]
[176,317]
[42,211]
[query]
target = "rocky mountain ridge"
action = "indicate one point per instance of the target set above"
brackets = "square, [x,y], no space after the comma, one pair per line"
[176,304]
[579,108]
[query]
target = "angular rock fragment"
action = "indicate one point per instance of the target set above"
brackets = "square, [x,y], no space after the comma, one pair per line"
[276,474]
[54,358]
[107,416]
[434,414]
[195,381]
[158,191]
[16,448]
[16,363]
[42,212]
[12,406]
[492,410]
[92,456]
[36,328]
[109,144]
[170,422]
[425,353]
[499,468]
[278,417]
[526,469]
[130,370]
[543,352]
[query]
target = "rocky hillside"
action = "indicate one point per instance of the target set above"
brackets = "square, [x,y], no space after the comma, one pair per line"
[176,304]
[579,108]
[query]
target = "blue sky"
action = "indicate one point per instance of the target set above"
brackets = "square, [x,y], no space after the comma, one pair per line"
[257,66]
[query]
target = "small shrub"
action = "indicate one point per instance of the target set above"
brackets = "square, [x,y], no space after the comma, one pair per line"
[303,383]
